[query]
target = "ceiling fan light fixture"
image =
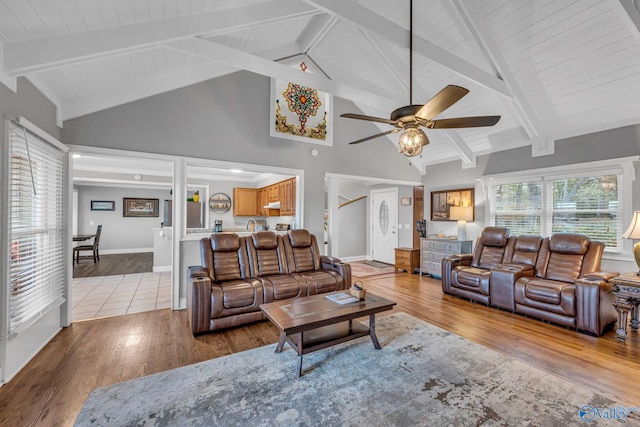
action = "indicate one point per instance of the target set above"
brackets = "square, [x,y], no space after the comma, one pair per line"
[411,142]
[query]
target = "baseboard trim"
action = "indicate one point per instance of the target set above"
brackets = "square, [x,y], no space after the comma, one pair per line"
[125,251]
[161,268]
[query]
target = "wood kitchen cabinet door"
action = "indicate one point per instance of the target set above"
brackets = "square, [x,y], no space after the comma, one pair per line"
[288,197]
[245,201]
[273,193]
[262,201]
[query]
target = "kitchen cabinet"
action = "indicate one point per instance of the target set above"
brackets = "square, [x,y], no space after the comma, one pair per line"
[288,197]
[245,201]
[262,201]
[252,201]
[273,193]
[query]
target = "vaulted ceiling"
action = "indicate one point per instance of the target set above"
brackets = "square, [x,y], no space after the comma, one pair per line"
[551,68]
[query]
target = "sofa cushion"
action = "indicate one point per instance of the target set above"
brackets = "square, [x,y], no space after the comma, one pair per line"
[490,248]
[265,240]
[300,238]
[238,293]
[321,281]
[494,236]
[225,242]
[263,251]
[282,286]
[567,243]
[564,267]
[525,250]
[226,266]
[549,295]
[491,257]
[471,279]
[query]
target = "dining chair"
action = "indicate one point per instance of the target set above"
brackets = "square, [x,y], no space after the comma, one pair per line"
[93,247]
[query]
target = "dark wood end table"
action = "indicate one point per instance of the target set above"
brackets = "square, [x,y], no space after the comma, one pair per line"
[626,288]
[315,322]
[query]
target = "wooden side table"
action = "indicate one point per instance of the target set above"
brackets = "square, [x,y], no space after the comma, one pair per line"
[407,259]
[626,288]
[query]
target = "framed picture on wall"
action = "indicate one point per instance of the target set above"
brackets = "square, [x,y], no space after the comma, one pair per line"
[443,201]
[140,207]
[103,205]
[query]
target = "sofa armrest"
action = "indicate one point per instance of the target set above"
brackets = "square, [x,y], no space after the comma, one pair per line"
[198,299]
[594,298]
[343,269]
[502,279]
[601,275]
[448,264]
[461,259]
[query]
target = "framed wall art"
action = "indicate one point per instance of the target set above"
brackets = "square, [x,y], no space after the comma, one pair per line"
[103,205]
[443,201]
[300,113]
[140,207]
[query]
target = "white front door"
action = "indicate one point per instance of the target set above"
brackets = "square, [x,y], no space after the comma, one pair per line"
[384,220]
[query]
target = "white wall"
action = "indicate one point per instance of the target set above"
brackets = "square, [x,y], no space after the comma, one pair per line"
[228,119]
[119,234]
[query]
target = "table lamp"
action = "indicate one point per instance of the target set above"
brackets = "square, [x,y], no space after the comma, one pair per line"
[633,232]
[463,214]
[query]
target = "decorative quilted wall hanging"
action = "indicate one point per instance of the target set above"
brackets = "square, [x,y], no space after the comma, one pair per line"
[300,113]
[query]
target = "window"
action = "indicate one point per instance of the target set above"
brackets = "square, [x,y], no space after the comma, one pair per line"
[518,207]
[37,181]
[584,204]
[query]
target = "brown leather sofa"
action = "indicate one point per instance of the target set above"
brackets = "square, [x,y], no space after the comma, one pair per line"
[241,272]
[556,279]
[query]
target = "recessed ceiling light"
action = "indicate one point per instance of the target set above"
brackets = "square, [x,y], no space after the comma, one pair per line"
[76,155]
[137,177]
[236,170]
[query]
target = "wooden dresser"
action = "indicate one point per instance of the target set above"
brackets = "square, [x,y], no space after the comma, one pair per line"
[434,249]
[407,259]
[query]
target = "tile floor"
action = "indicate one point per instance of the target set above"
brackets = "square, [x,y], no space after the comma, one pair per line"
[104,296]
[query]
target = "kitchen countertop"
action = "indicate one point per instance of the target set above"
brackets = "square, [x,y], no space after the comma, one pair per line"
[199,233]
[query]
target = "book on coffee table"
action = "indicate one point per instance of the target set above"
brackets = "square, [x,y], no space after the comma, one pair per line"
[342,298]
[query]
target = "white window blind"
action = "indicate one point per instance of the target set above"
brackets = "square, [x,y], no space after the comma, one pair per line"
[37,227]
[589,205]
[518,207]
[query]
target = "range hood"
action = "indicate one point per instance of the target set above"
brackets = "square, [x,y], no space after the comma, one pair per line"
[273,205]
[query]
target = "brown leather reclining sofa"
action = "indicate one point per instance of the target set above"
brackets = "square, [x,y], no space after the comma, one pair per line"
[554,278]
[241,272]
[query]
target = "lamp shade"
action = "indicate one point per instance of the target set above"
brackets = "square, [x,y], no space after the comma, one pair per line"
[633,232]
[461,213]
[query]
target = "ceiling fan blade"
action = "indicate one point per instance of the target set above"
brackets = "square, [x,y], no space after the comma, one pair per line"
[375,136]
[441,101]
[369,118]
[464,122]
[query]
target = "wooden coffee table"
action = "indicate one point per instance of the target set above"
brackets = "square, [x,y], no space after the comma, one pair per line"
[315,322]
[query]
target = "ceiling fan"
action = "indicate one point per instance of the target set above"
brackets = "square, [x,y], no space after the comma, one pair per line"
[411,117]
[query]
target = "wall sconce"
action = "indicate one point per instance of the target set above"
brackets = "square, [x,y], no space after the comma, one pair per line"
[462,215]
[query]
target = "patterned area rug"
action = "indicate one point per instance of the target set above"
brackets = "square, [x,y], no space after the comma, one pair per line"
[423,375]
[360,269]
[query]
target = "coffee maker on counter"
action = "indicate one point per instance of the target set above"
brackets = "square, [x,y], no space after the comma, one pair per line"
[217,226]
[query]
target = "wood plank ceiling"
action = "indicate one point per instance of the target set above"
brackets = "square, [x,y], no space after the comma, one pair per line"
[551,68]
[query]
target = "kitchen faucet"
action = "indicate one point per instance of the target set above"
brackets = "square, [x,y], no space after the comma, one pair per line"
[246,226]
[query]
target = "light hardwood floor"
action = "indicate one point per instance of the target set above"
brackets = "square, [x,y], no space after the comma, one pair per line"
[54,385]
